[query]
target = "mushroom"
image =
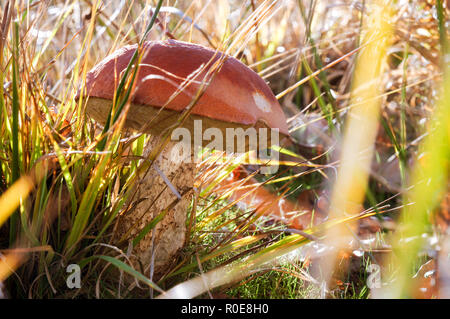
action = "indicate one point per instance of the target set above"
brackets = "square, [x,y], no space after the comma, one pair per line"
[171,74]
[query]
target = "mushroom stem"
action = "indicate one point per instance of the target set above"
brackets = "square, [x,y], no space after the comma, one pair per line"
[156,191]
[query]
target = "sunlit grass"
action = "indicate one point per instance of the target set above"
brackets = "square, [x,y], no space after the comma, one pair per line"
[64,181]
[357,148]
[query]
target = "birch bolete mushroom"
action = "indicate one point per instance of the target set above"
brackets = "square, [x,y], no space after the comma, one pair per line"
[170,76]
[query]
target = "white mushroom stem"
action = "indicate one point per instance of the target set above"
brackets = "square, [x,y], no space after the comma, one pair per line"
[155,193]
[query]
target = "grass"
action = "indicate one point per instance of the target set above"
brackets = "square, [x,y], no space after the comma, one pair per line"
[64,180]
[283,283]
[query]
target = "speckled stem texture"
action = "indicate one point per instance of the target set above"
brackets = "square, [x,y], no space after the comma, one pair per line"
[159,248]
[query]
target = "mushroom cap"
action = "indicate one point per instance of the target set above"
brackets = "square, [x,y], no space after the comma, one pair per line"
[235,95]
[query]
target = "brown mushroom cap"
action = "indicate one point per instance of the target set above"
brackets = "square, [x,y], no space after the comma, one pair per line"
[236,95]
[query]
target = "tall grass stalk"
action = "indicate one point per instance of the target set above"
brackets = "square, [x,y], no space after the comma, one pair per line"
[361,125]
